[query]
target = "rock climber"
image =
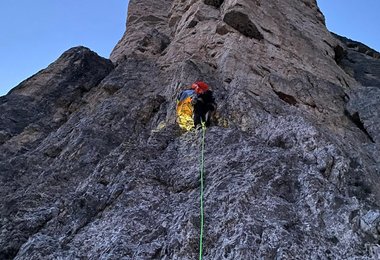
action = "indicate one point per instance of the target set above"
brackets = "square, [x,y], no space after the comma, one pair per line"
[203,103]
[195,105]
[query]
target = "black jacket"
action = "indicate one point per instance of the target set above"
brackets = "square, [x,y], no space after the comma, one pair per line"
[204,102]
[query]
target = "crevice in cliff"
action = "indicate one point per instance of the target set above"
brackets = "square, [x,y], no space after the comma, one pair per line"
[355,118]
[339,54]
[215,3]
[243,24]
[154,42]
[287,98]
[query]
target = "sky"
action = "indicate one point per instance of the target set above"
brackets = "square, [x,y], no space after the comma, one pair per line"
[34,33]
[357,20]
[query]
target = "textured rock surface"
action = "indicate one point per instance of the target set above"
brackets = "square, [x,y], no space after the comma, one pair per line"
[360,61]
[93,165]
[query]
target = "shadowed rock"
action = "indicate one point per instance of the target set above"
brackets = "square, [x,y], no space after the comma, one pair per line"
[155,42]
[243,24]
[216,3]
[359,61]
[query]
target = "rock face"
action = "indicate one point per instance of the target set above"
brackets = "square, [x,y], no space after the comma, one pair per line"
[93,165]
[360,61]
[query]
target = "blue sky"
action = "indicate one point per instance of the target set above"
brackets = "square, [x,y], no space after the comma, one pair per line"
[34,33]
[357,20]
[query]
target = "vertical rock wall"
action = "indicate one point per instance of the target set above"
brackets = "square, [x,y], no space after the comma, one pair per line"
[93,165]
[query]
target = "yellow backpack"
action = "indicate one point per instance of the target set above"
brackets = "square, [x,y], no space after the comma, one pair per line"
[185,109]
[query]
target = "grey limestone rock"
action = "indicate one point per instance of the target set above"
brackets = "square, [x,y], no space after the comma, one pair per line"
[94,166]
[243,24]
[360,61]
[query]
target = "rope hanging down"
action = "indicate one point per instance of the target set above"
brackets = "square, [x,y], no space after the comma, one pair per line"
[202,167]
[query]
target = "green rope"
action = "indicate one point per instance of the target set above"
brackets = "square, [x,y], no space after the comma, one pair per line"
[202,167]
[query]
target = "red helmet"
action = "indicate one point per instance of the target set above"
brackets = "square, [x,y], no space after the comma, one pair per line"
[199,87]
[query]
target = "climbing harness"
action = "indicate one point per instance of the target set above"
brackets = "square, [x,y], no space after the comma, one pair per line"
[202,168]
